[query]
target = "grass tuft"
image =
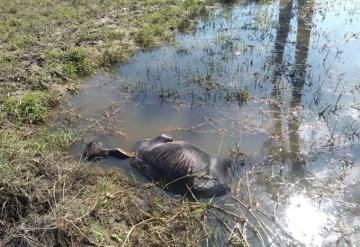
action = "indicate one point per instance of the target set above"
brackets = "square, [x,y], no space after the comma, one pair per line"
[113,54]
[30,108]
[144,37]
[47,198]
[77,62]
[243,96]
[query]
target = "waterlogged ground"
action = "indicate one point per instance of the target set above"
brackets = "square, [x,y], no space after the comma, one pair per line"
[278,81]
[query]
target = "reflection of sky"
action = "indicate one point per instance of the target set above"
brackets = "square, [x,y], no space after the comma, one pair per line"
[333,59]
[305,221]
[235,48]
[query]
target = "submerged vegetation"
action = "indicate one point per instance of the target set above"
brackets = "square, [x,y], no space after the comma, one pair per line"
[47,198]
[269,83]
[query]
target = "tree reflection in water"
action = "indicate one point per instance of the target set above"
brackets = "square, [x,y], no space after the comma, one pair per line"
[279,149]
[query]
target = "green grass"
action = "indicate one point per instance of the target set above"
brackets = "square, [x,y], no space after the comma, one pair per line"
[63,202]
[48,42]
[60,201]
[30,108]
[145,37]
[77,61]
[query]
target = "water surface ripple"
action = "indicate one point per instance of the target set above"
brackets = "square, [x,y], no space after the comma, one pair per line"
[276,80]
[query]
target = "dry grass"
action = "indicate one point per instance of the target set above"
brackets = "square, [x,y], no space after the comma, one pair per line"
[46,197]
[48,42]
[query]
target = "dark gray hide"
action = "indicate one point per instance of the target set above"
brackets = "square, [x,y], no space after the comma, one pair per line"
[181,166]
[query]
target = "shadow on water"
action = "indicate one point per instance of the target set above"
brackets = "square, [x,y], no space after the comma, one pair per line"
[276,80]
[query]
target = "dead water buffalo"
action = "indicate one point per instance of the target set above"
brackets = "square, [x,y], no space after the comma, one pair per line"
[181,167]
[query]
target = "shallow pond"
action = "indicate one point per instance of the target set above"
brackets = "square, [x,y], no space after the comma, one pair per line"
[276,81]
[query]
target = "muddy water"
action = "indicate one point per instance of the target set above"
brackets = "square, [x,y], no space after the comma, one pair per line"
[278,81]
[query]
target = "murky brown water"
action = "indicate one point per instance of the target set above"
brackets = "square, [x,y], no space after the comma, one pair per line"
[300,131]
